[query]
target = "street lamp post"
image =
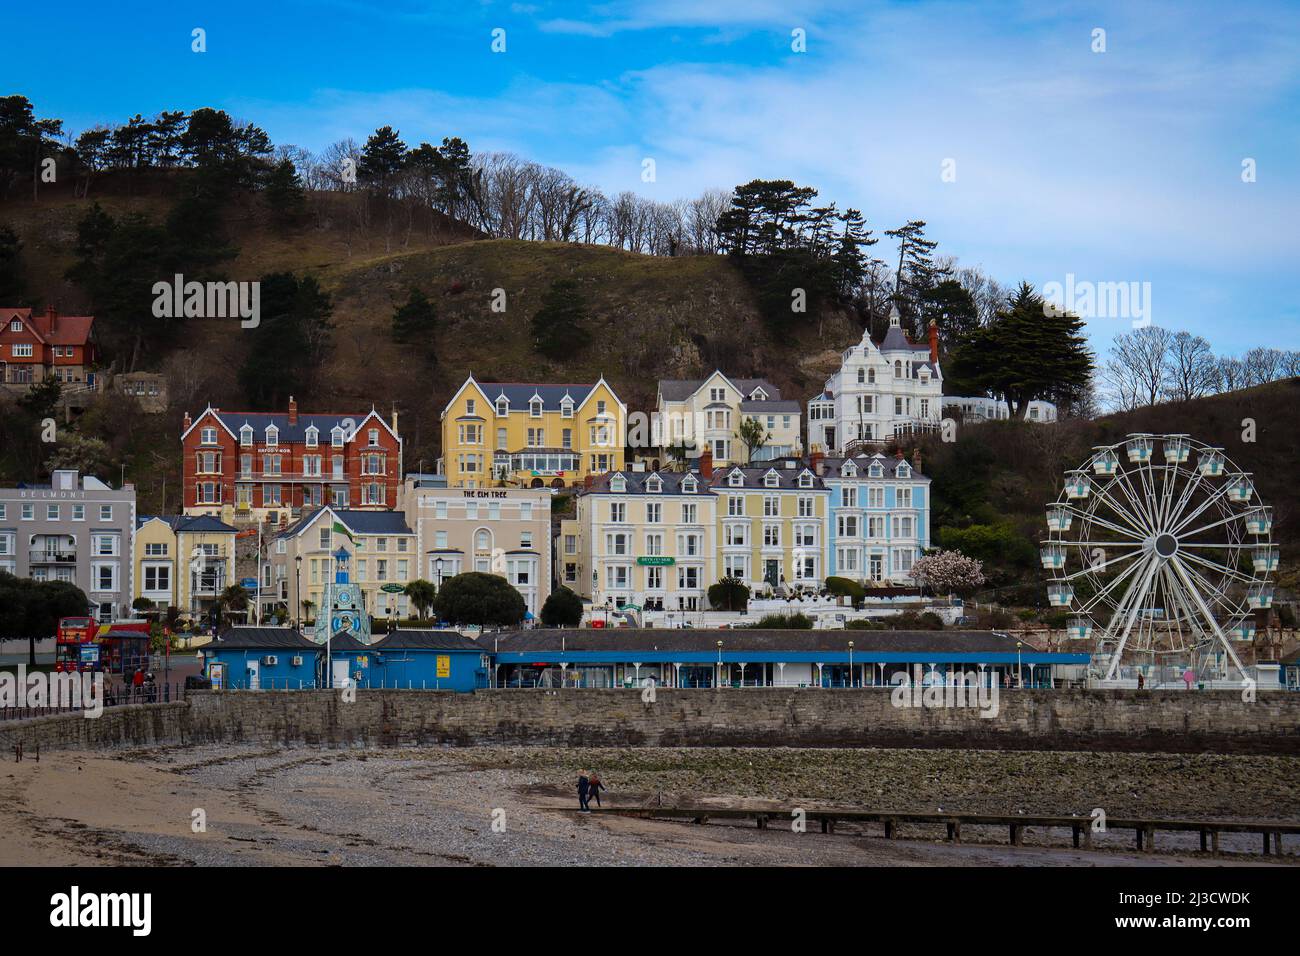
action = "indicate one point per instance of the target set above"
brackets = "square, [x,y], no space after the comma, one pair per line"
[719,663]
[850,664]
[297,592]
[1020,674]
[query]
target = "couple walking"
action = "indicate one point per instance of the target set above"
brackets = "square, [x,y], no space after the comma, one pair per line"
[589,786]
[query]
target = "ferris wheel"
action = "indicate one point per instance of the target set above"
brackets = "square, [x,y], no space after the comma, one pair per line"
[1160,546]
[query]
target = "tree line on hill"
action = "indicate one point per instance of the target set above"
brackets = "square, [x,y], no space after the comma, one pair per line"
[1150,365]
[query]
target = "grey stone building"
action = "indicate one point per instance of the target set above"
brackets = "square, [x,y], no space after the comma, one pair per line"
[74,529]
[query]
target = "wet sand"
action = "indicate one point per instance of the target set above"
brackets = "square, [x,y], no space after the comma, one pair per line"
[512,806]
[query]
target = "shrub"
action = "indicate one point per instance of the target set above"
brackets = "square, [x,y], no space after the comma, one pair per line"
[562,609]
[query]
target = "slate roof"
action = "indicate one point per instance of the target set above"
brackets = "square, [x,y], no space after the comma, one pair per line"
[680,389]
[636,482]
[356,521]
[188,523]
[343,641]
[261,638]
[889,465]
[754,474]
[325,424]
[520,393]
[433,640]
[750,639]
[771,407]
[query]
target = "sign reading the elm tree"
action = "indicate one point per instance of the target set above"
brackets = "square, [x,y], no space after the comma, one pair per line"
[655,560]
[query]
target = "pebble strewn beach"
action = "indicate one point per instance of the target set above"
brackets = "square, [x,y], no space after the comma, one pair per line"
[509,806]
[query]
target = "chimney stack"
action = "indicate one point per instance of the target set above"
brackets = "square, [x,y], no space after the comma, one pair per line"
[934,341]
[706,463]
[293,411]
[394,419]
[185,426]
[916,459]
[817,460]
[51,313]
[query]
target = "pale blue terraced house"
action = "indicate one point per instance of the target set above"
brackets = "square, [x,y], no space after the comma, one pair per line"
[880,516]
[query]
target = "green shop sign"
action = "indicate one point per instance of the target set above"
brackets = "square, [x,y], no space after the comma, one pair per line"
[655,560]
[393,588]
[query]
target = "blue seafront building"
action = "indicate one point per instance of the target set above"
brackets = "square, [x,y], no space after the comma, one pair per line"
[251,658]
[879,516]
[281,658]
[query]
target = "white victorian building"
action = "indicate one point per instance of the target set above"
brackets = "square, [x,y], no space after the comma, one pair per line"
[880,391]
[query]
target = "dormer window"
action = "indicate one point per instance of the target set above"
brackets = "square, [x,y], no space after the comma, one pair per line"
[736,479]
[771,479]
[875,471]
[903,471]
[618,484]
[805,480]
[336,436]
[758,395]
[246,435]
[688,485]
[566,408]
[503,406]
[654,485]
[535,408]
[313,436]
[849,470]
[272,435]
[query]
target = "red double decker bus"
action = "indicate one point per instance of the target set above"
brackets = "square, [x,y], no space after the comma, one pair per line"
[76,645]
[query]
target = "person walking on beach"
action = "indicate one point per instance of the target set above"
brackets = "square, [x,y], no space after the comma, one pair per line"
[1188,677]
[1142,681]
[596,786]
[584,788]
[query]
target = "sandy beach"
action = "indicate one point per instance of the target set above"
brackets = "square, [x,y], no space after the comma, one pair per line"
[438,806]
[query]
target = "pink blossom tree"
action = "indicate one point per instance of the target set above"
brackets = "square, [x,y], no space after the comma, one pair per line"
[948,572]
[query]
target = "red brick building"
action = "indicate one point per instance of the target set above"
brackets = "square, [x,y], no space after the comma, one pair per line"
[34,347]
[272,465]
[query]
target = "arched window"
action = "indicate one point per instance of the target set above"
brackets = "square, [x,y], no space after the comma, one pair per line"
[862,376]
[898,369]
[482,541]
[871,376]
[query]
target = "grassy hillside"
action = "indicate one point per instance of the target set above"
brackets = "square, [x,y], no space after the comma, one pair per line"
[650,317]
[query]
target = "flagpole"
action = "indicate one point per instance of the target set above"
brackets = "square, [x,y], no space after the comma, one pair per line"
[329,614]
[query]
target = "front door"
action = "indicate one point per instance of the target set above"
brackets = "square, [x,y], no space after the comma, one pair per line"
[254,681]
[341,678]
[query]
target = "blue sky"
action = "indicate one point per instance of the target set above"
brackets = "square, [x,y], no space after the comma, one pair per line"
[1122,166]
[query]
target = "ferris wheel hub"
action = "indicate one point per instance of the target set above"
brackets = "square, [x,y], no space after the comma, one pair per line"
[1165,545]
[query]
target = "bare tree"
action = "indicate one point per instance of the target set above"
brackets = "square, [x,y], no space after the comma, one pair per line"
[1263,365]
[1192,369]
[1138,368]
[1230,374]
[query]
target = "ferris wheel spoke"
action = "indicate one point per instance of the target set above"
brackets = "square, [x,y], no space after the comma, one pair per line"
[1181,571]
[1216,594]
[1129,606]
[1087,606]
[1101,565]
[1189,491]
[1140,512]
[1206,527]
[1132,519]
[1220,568]
[1092,518]
[1217,496]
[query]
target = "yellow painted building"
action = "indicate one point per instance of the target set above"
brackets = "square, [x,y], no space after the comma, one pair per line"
[642,538]
[773,525]
[381,555]
[183,561]
[699,414]
[531,435]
